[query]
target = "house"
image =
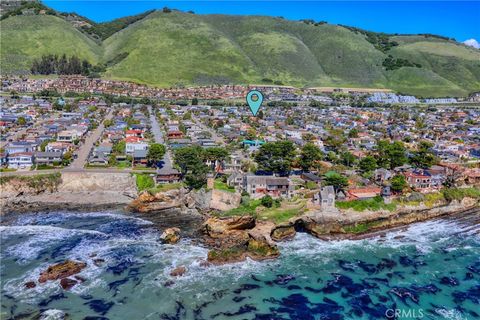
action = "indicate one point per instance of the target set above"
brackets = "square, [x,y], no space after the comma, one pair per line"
[165,175]
[418,179]
[363,193]
[20,147]
[311,177]
[259,186]
[57,147]
[48,157]
[236,180]
[98,160]
[325,198]
[131,147]
[140,156]
[174,134]
[380,175]
[20,160]
[67,136]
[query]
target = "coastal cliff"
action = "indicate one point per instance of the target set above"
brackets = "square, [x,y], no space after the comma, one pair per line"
[66,190]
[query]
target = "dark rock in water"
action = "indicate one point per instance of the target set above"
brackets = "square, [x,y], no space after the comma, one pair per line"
[367,267]
[30,284]
[261,316]
[115,284]
[95,318]
[449,281]
[120,267]
[386,264]
[238,299]
[337,284]
[80,279]
[283,279]
[346,265]
[313,290]
[293,287]
[99,306]
[168,283]
[382,298]
[180,313]
[404,294]
[429,288]
[246,287]
[475,268]
[67,283]
[243,309]
[472,294]
[363,304]
[98,262]
[52,298]
[474,314]
[468,276]
[255,278]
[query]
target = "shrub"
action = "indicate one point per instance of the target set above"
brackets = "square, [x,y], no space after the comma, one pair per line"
[267,201]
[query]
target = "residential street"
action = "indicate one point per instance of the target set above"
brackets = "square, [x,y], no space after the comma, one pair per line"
[83,152]
[158,135]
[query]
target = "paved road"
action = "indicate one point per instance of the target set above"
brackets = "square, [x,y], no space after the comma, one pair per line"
[159,138]
[82,154]
[215,137]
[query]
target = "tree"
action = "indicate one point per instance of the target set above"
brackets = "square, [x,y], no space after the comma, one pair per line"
[266,201]
[194,101]
[308,137]
[119,147]
[391,155]
[190,161]
[424,156]
[398,183]
[21,121]
[347,158]
[155,153]
[367,164]
[335,179]
[309,154]
[353,133]
[276,156]
[335,139]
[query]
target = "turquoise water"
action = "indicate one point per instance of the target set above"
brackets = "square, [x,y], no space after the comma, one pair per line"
[429,270]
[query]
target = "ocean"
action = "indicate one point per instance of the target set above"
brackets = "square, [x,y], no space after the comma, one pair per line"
[428,270]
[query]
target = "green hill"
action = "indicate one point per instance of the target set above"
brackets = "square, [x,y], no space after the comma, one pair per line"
[24,38]
[174,48]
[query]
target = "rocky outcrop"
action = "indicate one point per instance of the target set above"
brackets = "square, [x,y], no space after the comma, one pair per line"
[283,232]
[236,238]
[170,235]
[224,200]
[61,270]
[178,271]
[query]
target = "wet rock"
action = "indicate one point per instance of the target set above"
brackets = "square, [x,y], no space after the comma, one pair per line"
[61,270]
[246,287]
[98,262]
[226,255]
[169,283]
[170,235]
[30,284]
[80,279]
[261,250]
[67,283]
[178,271]
[449,281]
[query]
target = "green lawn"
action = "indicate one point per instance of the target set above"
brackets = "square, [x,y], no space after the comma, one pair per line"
[144,181]
[219,185]
[166,187]
[373,204]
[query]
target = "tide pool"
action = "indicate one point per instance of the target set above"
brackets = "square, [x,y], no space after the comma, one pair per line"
[428,270]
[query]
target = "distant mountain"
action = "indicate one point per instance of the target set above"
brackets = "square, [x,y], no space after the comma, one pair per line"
[167,48]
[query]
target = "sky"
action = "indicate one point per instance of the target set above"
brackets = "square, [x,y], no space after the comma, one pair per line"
[454,19]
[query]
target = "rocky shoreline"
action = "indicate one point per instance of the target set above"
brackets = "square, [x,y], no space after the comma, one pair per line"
[188,213]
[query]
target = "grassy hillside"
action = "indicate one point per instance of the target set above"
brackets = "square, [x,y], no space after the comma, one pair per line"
[24,38]
[174,48]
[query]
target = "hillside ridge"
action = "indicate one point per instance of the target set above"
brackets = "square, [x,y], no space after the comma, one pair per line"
[172,48]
